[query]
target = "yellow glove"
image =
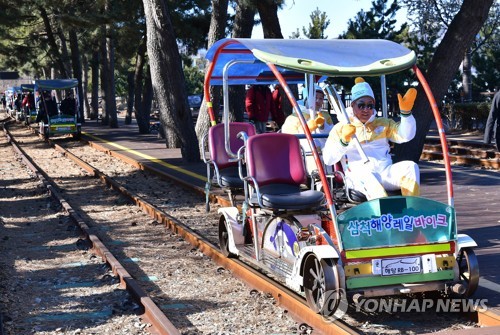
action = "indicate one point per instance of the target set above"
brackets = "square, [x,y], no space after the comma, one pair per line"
[406,102]
[313,124]
[346,133]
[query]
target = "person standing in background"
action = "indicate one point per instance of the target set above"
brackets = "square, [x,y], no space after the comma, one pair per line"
[279,115]
[68,105]
[493,122]
[4,102]
[259,105]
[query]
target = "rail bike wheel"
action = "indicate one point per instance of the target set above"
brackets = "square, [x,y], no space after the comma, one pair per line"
[469,270]
[224,239]
[321,284]
[45,133]
[78,133]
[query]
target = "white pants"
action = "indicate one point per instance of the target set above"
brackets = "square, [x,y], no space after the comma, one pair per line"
[394,177]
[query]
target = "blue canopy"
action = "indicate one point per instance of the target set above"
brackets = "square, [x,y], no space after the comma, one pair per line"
[14,89]
[294,57]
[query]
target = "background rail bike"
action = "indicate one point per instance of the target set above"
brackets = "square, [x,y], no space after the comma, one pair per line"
[55,120]
[168,198]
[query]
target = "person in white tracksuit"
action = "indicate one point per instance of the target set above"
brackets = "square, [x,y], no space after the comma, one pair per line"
[379,175]
[321,124]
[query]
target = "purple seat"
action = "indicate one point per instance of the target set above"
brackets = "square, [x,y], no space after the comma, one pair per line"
[276,169]
[226,171]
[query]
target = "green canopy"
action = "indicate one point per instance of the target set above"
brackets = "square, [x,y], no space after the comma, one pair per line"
[27,87]
[55,84]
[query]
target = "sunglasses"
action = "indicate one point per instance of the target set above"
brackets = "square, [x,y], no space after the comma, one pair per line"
[362,106]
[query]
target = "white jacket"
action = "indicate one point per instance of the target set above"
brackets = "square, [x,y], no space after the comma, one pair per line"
[374,137]
[292,126]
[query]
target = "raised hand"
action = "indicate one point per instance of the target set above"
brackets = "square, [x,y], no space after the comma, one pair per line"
[406,102]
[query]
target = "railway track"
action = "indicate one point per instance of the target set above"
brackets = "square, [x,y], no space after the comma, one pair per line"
[185,216]
[235,307]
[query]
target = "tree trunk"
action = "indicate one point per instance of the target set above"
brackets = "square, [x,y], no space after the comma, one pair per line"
[111,89]
[168,80]
[242,28]
[103,72]
[54,50]
[215,33]
[467,76]
[140,116]
[85,81]
[130,97]
[94,94]
[446,61]
[63,46]
[110,75]
[77,70]
[268,12]
[147,102]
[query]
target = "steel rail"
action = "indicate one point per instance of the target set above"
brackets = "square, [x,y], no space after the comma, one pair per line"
[152,313]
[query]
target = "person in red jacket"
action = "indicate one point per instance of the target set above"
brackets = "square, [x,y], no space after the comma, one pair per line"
[279,115]
[28,101]
[259,105]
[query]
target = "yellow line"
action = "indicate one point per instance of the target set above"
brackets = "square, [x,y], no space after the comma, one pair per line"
[394,251]
[150,158]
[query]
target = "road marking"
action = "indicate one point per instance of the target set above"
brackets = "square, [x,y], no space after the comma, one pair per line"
[150,158]
[489,284]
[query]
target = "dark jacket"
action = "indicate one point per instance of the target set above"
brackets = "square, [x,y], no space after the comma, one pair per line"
[68,106]
[493,122]
[47,107]
[278,116]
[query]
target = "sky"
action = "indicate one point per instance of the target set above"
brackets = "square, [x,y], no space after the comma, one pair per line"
[296,14]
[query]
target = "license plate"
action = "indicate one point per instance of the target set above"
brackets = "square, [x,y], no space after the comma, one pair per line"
[400,266]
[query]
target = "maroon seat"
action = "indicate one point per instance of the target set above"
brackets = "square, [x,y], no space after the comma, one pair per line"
[226,170]
[276,170]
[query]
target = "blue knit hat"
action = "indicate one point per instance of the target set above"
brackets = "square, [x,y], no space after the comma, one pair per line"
[361,89]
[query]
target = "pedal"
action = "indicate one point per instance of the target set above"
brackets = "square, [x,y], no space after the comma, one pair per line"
[303,234]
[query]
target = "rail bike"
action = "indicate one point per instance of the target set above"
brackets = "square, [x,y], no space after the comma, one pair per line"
[29,111]
[304,235]
[11,95]
[57,121]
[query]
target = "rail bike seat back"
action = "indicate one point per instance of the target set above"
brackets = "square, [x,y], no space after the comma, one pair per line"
[226,169]
[276,171]
[340,187]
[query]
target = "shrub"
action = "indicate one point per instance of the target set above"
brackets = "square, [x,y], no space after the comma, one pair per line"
[467,116]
